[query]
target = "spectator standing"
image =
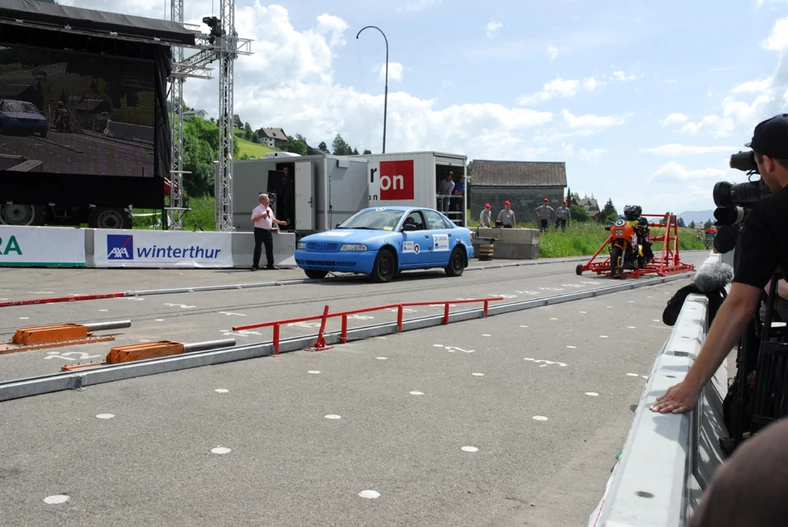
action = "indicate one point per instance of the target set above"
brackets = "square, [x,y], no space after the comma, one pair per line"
[457,193]
[506,216]
[264,221]
[445,189]
[485,216]
[562,217]
[543,213]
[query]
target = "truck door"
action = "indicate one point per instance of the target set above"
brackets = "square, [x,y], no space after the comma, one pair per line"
[304,197]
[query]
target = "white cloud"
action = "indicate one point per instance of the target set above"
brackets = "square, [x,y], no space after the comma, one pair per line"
[674,118]
[753,86]
[447,83]
[675,150]
[395,71]
[552,52]
[492,28]
[558,87]
[592,122]
[713,124]
[413,6]
[677,172]
[592,155]
[621,76]
[334,27]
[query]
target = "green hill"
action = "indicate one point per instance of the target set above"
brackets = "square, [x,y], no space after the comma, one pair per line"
[252,149]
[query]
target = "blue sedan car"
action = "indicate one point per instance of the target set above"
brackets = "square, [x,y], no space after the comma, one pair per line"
[21,117]
[383,241]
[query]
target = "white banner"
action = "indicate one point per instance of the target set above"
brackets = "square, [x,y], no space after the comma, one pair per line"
[42,246]
[138,248]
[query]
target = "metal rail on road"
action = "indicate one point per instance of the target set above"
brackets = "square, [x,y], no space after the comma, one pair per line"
[102,374]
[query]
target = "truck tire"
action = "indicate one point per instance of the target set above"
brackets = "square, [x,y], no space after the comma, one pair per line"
[110,218]
[18,214]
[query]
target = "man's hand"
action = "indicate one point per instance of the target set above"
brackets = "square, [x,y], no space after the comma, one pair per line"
[679,399]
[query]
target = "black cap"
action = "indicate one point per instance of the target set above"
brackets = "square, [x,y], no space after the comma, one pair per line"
[770,137]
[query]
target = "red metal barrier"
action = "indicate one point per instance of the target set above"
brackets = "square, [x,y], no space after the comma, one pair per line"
[344,314]
[52,300]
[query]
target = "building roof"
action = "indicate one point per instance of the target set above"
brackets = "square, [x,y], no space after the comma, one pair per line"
[588,203]
[519,173]
[277,134]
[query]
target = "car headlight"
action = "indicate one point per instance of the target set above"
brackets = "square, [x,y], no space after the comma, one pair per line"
[353,247]
[301,245]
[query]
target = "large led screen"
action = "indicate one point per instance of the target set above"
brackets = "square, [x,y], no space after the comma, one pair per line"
[73,113]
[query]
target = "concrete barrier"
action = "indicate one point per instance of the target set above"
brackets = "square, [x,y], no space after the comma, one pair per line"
[129,132]
[284,249]
[668,460]
[512,244]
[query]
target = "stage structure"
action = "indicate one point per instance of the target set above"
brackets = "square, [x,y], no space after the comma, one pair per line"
[223,45]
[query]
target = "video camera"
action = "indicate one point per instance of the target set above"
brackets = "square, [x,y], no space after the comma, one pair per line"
[734,200]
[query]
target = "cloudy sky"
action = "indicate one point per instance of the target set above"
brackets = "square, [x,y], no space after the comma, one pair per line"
[644,101]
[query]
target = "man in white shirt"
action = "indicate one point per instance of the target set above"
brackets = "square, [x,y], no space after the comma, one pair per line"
[263,219]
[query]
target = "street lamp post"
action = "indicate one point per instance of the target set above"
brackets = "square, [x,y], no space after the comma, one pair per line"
[386,93]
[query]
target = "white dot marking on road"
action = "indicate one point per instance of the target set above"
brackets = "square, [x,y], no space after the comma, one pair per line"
[632,375]
[603,336]
[221,450]
[631,327]
[609,307]
[144,340]
[592,394]
[553,318]
[470,449]
[333,416]
[57,499]
[523,326]
[572,347]
[644,376]
[382,358]
[584,312]
[221,390]
[369,494]
[105,416]
[417,393]
[486,335]
[159,320]
[313,372]
[437,345]
[103,310]
[477,374]
[539,418]
[24,318]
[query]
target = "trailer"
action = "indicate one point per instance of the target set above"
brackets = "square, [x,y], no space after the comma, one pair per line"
[312,193]
[413,178]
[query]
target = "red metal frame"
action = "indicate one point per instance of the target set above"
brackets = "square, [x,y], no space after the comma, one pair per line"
[668,262]
[320,344]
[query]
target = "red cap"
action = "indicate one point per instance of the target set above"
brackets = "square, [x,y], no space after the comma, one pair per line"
[507,202]
[546,199]
[486,205]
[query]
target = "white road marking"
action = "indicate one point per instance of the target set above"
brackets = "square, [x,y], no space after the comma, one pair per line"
[584,312]
[158,320]
[539,418]
[632,375]
[182,306]
[57,499]
[360,317]
[41,292]
[221,450]
[230,313]
[314,372]
[135,298]
[523,326]
[437,345]
[105,416]
[65,356]
[603,336]
[469,449]
[417,393]
[369,494]
[572,347]
[545,362]
[486,335]
[103,310]
[310,325]
[382,358]
[333,416]
[24,318]
[553,318]
[631,327]
[241,333]
[221,390]
[592,394]
[477,374]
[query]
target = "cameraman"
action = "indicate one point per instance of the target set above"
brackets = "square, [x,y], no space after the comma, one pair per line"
[761,251]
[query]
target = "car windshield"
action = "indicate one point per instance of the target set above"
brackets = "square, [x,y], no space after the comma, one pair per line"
[19,106]
[373,219]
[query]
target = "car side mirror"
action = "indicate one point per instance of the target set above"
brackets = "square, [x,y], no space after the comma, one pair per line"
[338,224]
[408,227]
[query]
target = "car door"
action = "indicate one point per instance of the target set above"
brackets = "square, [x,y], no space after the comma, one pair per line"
[415,244]
[441,238]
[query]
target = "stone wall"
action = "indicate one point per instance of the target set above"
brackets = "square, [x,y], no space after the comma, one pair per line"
[524,200]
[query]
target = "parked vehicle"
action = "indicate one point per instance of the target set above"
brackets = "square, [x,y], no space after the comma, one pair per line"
[21,118]
[383,241]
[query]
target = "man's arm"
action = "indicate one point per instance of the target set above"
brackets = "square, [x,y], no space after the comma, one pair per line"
[263,214]
[728,325]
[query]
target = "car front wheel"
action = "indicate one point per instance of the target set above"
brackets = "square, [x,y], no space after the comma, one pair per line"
[385,267]
[314,274]
[456,263]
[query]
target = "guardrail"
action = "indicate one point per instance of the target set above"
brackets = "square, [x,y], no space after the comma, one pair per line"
[668,459]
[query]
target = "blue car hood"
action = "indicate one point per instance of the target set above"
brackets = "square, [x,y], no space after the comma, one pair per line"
[341,236]
[24,115]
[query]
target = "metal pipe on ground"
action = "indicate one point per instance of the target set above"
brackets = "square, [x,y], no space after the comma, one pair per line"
[208,345]
[103,326]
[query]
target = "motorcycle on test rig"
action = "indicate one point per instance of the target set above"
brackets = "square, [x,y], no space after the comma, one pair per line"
[625,252]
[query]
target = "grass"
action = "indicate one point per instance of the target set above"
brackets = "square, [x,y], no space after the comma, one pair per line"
[252,149]
[202,215]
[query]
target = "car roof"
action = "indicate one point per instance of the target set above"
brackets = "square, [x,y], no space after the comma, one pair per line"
[399,208]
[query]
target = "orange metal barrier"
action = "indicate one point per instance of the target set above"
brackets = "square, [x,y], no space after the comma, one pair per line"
[344,314]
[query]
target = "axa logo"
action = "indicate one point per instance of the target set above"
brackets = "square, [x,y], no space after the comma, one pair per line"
[396,180]
[120,246]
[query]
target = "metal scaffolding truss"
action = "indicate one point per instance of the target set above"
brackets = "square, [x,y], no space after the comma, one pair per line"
[224,46]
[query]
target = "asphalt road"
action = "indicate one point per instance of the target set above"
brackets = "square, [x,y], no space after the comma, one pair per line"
[81,154]
[512,420]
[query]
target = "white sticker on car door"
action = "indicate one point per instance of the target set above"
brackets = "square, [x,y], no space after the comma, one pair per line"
[440,242]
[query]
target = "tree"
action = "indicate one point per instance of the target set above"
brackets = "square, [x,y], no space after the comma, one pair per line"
[692,224]
[579,214]
[322,146]
[708,224]
[355,151]
[200,150]
[294,145]
[340,148]
[680,223]
[367,151]
[608,213]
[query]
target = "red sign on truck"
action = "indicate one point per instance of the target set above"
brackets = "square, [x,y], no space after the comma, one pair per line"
[396,180]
